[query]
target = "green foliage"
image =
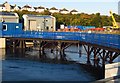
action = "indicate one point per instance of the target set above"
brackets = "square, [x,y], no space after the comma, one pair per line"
[96,20]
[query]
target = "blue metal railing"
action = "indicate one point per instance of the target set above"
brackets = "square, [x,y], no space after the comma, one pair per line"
[109,40]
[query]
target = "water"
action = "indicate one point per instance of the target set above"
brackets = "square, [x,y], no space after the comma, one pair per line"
[21,65]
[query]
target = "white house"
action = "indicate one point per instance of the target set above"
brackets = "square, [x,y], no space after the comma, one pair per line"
[9,17]
[32,9]
[27,7]
[2,7]
[15,8]
[74,11]
[7,6]
[54,10]
[64,11]
[39,9]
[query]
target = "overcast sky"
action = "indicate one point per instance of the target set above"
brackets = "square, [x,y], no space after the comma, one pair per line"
[86,6]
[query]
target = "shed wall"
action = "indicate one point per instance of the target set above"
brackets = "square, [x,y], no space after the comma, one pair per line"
[39,23]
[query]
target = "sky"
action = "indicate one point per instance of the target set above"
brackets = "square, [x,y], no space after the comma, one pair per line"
[83,6]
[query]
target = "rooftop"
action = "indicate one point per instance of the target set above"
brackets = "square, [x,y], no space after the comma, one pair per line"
[74,10]
[63,9]
[40,7]
[27,6]
[38,16]
[2,5]
[53,8]
[7,13]
[12,7]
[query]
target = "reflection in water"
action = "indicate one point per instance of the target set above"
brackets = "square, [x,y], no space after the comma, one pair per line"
[49,55]
[2,56]
[2,53]
[71,55]
[118,69]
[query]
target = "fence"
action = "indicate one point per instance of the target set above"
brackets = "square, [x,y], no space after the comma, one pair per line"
[109,40]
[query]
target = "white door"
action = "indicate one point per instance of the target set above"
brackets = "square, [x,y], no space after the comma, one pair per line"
[33,25]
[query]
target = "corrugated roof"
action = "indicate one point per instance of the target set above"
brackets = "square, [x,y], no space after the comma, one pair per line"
[7,13]
[39,16]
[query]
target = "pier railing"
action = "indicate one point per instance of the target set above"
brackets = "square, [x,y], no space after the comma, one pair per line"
[109,40]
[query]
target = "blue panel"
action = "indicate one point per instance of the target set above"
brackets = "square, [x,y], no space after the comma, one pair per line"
[0,29]
[80,27]
[109,40]
[12,29]
[69,26]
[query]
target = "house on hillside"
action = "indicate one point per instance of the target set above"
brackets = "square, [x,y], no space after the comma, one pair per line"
[54,10]
[27,7]
[39,9]
[2,7]
[15,8]
[5,7]
[64,11]
[74,11]
[12,7]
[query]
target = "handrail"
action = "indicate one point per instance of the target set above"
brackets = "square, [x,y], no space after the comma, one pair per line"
[109,40]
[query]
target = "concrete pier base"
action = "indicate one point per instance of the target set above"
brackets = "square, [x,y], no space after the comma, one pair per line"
[112,70]
[2,42]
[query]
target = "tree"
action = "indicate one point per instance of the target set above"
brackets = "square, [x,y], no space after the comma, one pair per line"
[46,12]
[96,20]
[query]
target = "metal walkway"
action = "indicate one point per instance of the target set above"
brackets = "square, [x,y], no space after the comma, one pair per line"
[108,40]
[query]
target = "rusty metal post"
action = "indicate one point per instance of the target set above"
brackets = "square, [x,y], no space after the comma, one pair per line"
[22,44]
[88,55]
[60,50]
[110,57]
[40,54]
[14,46]
[103,63]
[103,59]
[95,56]
[79,50]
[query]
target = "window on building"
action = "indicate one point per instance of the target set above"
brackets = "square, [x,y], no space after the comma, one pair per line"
[4,27]
[47,28]
[46,20]
[17,26]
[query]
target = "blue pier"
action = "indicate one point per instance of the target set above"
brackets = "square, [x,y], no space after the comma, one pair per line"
[14,30]
[108,40]
[102,45]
